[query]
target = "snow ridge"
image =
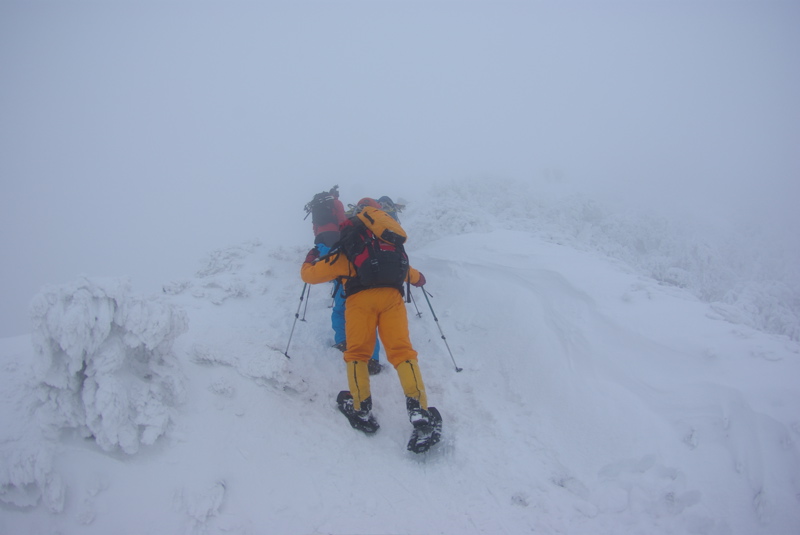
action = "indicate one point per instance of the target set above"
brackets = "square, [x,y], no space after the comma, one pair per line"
[747,273]
[593,398]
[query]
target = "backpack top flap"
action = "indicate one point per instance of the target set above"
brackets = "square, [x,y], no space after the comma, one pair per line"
[382,225]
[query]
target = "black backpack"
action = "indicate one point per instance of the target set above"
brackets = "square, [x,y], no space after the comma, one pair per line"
[321,208]
[379,261]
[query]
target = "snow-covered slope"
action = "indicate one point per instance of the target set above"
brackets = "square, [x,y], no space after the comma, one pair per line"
[594,398]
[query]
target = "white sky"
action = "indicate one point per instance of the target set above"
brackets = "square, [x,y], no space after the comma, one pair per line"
[136,137]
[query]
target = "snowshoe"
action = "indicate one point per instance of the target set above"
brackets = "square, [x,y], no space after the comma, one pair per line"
[374,367]
[427,431]
[363,420]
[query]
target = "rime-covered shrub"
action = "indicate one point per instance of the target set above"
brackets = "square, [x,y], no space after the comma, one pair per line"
[104,362]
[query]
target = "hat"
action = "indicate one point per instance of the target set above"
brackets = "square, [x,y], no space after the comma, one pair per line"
[369,201]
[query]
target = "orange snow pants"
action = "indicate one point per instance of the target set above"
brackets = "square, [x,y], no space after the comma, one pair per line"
[382,309]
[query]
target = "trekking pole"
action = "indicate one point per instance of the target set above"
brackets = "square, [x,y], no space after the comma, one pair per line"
[425,293]
[308,295]
[333,294]
[296,315]
[419,314]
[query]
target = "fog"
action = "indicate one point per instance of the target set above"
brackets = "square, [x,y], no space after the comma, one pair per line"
[137,137]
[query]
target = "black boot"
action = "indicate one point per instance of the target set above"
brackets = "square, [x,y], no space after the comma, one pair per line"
[418,416]
[361,419]
[374,367]
[427,426]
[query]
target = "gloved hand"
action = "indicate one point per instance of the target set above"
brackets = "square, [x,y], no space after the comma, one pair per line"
[312,256]
[420,282]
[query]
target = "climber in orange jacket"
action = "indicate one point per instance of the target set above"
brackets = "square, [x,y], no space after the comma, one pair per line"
[369,308]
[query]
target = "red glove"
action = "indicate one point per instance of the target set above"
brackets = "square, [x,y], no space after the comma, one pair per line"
[420,282]
[312,256]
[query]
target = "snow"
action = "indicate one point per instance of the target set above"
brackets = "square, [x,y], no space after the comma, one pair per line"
[621,374]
